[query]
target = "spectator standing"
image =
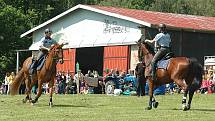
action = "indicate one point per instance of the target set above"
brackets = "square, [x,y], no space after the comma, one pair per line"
[89,74]
[68,82]
[68,77]
[95,74]
[6,83]
[11,78]
[141,80]
[78,78]
[63,77]
[204,86]
[58,79]
[100,88]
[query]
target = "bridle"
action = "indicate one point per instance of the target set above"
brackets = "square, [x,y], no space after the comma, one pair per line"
[56,51]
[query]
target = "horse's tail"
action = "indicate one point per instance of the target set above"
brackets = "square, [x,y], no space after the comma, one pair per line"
[17,82]
[196,70]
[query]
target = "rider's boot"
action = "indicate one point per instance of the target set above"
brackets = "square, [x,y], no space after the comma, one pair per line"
[33,67]
[154,71]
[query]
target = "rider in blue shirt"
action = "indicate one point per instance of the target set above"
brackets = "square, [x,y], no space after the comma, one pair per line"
[162,43]
[46,43]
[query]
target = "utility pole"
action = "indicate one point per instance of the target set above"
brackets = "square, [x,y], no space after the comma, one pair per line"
[17,59]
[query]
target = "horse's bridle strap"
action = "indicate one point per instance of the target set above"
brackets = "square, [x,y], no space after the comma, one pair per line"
[148,64]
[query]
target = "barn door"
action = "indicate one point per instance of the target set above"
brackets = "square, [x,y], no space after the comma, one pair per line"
[116,57]
[69,61]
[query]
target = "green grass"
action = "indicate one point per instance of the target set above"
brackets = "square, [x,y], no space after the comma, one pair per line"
[106,108]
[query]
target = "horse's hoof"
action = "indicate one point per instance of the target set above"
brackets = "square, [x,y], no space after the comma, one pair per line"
[33,101]
[155,104]
[50,104]
[184,108]
[29,101]
[148,108]
[188,107]
[24,101]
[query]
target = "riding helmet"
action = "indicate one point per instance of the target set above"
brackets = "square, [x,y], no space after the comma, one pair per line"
[48,30]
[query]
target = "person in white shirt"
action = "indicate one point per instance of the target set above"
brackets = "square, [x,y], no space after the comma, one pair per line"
[162,43]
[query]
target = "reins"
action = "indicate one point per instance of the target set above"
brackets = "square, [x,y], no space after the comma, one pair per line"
[147,53]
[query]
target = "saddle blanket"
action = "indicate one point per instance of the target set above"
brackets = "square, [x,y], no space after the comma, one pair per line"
[162,64]
[40,63]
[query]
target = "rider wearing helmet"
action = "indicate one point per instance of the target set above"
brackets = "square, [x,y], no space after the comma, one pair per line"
[46,43]
[162,43]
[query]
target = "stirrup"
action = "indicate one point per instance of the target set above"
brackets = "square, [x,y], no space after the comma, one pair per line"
[32,72]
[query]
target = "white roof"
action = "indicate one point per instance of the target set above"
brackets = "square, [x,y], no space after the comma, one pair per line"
[86,8]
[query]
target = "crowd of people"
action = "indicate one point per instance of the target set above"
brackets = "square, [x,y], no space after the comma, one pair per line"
[208,82]
[131,82]
[5,86]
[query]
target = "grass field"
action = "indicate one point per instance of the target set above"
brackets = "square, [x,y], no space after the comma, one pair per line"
[106,108]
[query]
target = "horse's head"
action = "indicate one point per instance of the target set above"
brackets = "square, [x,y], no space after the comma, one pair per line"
[57,52]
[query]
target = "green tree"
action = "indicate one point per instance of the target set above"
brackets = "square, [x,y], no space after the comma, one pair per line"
[13,23]
[192,7]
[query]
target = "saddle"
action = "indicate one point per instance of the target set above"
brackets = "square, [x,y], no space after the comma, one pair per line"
[41,62]
[163,63]
[37,66]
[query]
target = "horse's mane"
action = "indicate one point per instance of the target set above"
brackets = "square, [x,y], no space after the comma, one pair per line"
[149,47]
[55,46]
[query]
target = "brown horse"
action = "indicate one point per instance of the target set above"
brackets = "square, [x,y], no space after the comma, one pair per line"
[185,72]
[47,74]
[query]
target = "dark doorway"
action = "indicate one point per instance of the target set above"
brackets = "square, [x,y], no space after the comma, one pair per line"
[90,59]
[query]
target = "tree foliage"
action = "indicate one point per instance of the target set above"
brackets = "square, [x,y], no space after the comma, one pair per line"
[192,7]
[13,24]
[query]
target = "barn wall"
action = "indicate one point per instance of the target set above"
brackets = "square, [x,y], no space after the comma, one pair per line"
[83,28]
[198,45]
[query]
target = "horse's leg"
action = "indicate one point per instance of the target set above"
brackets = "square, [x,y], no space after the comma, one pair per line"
[184,100]
[51,84]
[191,93]
[151,86]
[28,91]
[39,92]
[183,85]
